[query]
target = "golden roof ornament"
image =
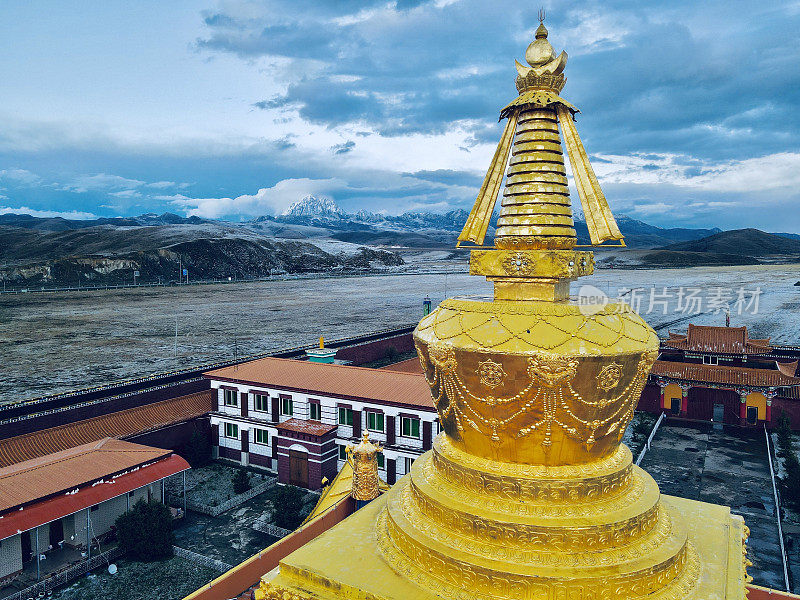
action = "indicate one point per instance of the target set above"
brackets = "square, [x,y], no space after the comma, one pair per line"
[536,211]
[363,458]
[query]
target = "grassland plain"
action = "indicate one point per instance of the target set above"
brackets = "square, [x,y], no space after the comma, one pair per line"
[52,342]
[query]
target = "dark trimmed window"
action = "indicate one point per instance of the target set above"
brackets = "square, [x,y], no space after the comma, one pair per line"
[375,421]
[231,397]
[345,416]
[261,402]
[409,427]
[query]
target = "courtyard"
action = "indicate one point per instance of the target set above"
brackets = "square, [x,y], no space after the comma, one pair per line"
[727,466]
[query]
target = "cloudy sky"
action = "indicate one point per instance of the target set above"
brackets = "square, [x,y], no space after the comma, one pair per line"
[233,109]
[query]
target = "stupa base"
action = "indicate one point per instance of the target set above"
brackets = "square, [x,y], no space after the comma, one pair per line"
[347,562]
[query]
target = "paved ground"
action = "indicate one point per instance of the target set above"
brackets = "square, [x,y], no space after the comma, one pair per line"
[171,579]
[230,537]
[723,466]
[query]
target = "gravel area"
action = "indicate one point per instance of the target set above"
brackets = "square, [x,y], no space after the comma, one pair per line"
[211,485]
[171,579]
[68,340]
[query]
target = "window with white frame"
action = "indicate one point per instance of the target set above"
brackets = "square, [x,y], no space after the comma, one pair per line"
[231,430]
[287,406]
[409,461]
[262,436]
[230,397]
[380,460]
[314,411]
[261,402]
[345,416]
[409,427]
[375,421]
[342,452]
[710,360]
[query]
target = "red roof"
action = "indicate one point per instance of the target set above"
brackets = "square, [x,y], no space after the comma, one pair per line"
[407,366]
[65,504]
[722,375]
[718,340]
[123,423]
[64,471]
[343,381]
[311,427]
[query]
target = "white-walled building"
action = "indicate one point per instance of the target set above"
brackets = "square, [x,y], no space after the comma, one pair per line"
[66,498]
[296,417]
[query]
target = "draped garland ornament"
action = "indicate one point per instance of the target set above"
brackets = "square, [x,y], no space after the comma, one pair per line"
[550,386]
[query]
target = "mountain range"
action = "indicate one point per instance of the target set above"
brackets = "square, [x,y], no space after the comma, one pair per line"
[312,235]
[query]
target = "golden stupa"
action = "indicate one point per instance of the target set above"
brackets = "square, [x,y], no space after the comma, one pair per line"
[528,493]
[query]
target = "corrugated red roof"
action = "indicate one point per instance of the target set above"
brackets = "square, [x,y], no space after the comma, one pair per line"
[65,504]
[311,427]
[64,471]
[722,375]
[120,424]
[343,381]
[718,340]
[407,366]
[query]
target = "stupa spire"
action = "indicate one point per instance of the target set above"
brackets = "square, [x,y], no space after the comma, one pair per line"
[536,212]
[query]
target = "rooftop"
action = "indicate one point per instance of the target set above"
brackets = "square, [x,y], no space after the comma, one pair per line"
[67,470]
[720,340]
[343,381]
[407,366]
[120,424]
[723,375]
[311,427]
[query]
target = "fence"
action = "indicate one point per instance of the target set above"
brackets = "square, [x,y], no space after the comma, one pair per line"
[649,439]
[215,511]
[777,511]
[201,559]
[270,529]
[45,586]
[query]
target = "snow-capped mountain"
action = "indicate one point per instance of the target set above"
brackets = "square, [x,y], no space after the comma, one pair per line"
[311,206]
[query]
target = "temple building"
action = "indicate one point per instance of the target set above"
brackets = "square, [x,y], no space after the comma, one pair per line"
[296,418]
[59,505]
[720,374]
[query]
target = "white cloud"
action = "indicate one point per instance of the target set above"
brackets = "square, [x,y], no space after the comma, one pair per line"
[24,210]
[772,172]
[272,200]
[127,194]
[101,182]
[20,176]
[161,185]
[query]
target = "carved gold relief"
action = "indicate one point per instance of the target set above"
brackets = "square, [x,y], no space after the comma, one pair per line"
[609,377]
[491,373]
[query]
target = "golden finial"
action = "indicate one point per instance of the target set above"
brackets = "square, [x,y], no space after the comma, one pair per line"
[541,31]
[321,342]
[364,461]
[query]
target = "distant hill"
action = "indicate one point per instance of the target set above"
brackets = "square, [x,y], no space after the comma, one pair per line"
[670,258]
[742,242]
[106,254]
[61,224]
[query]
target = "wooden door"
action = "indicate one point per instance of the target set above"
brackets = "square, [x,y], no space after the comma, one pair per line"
[298,468]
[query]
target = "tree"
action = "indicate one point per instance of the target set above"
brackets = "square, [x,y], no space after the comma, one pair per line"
[287,502]
[145,532]
[198,449]
[784,435]
[241,481]
[790,483]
